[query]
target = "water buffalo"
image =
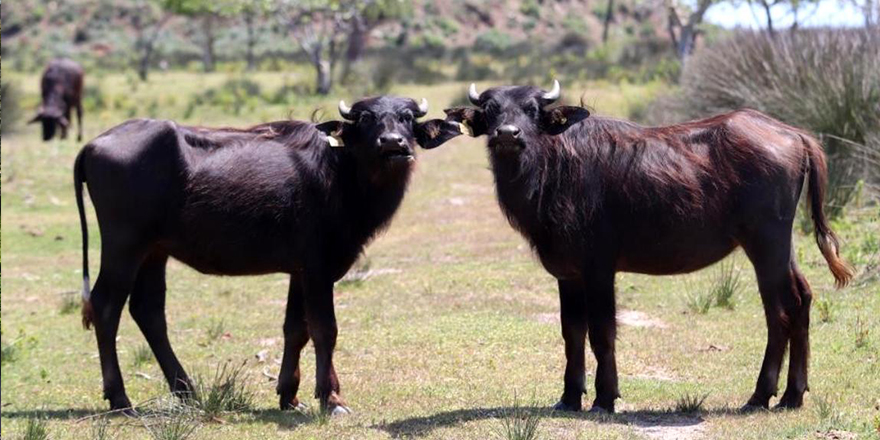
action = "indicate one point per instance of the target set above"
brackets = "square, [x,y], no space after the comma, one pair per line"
[596,196]
[61,88]
[272,198]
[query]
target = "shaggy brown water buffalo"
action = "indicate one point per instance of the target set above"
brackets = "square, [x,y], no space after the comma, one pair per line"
[61,88]
[595,196]
[272,198]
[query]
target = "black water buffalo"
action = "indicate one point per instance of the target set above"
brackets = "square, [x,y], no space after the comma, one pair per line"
[595,196]
[61,88]
[272,198]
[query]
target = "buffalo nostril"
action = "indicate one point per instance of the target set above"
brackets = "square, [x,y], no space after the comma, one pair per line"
[390,139]
[508,130]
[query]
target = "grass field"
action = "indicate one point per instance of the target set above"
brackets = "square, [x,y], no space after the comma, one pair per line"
[456,324]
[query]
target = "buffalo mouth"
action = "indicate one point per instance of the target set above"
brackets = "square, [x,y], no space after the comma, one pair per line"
[506,144]
[401,155]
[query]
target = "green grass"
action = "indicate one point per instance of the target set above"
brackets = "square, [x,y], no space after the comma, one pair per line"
[455,316]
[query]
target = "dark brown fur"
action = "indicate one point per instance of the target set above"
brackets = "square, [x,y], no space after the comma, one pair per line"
[272,198]
[61,89]
[607,196]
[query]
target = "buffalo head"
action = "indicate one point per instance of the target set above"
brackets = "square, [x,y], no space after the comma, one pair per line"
[513,116]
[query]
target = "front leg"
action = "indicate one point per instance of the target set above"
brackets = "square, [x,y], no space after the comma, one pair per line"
[573,311]
[602,323]
[296,335]
[321,319]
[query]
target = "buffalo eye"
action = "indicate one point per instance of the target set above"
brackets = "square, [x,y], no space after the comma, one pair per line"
[531,110]
[365,116]
[405,116]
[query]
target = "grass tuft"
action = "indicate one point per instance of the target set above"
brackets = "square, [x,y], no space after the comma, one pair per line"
[35,429]
[826,412]
[215,329]
[69,303]
[727,284]
[700,302]
[320,416]
[862,332]
[357,274]
[100,429]
[690,403]
[228,390]
[143,355]
[170,420]
[518,423]
[825,307]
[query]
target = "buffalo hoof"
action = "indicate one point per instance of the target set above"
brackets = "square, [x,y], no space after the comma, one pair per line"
[787,403]
[339,410]
[288,404]
[122,405]
[598,410]
[562,406]
[751,408]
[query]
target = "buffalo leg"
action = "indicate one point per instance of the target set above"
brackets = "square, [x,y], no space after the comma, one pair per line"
[799,343]
[79,121]
[573,317]
[321,319]
[296,336]
[771,256]
[107,299]
[147,307]
[602,325]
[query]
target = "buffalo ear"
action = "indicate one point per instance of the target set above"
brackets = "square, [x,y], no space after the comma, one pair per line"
[471,119]
[557,120]
[333,131]
[37,118]
[434,133]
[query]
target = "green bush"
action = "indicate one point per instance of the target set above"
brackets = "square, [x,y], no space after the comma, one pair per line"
[530,8]
[492,41]
[826,81]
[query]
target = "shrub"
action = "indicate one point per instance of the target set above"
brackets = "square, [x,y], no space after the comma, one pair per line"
[492,41]
[827,81]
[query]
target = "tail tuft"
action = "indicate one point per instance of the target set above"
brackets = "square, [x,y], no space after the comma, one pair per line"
[825,237]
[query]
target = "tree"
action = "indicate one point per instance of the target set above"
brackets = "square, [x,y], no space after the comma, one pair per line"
[684,34]
[208,13]
[322,28]
[251,11]
[148,19]
[606,23]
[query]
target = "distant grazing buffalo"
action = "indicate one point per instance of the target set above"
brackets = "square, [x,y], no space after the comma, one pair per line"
[272,198]
[61,88]
[596,196]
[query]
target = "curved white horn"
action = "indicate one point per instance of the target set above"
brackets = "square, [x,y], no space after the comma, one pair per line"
[344,110]
[473,95]
[552,95]
[423,107]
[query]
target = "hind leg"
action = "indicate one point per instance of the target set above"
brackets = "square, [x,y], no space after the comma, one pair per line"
[118,269]
[147,307]
[296,335]
[770,253]
[799,348]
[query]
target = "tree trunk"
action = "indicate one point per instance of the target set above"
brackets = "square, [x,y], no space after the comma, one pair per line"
[606,24]
[357,41]
[767,6]
[144,62]
[251,39]
[208,44]
[324,79]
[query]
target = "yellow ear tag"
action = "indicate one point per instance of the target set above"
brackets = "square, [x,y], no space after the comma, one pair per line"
[335,139]
[465,128]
